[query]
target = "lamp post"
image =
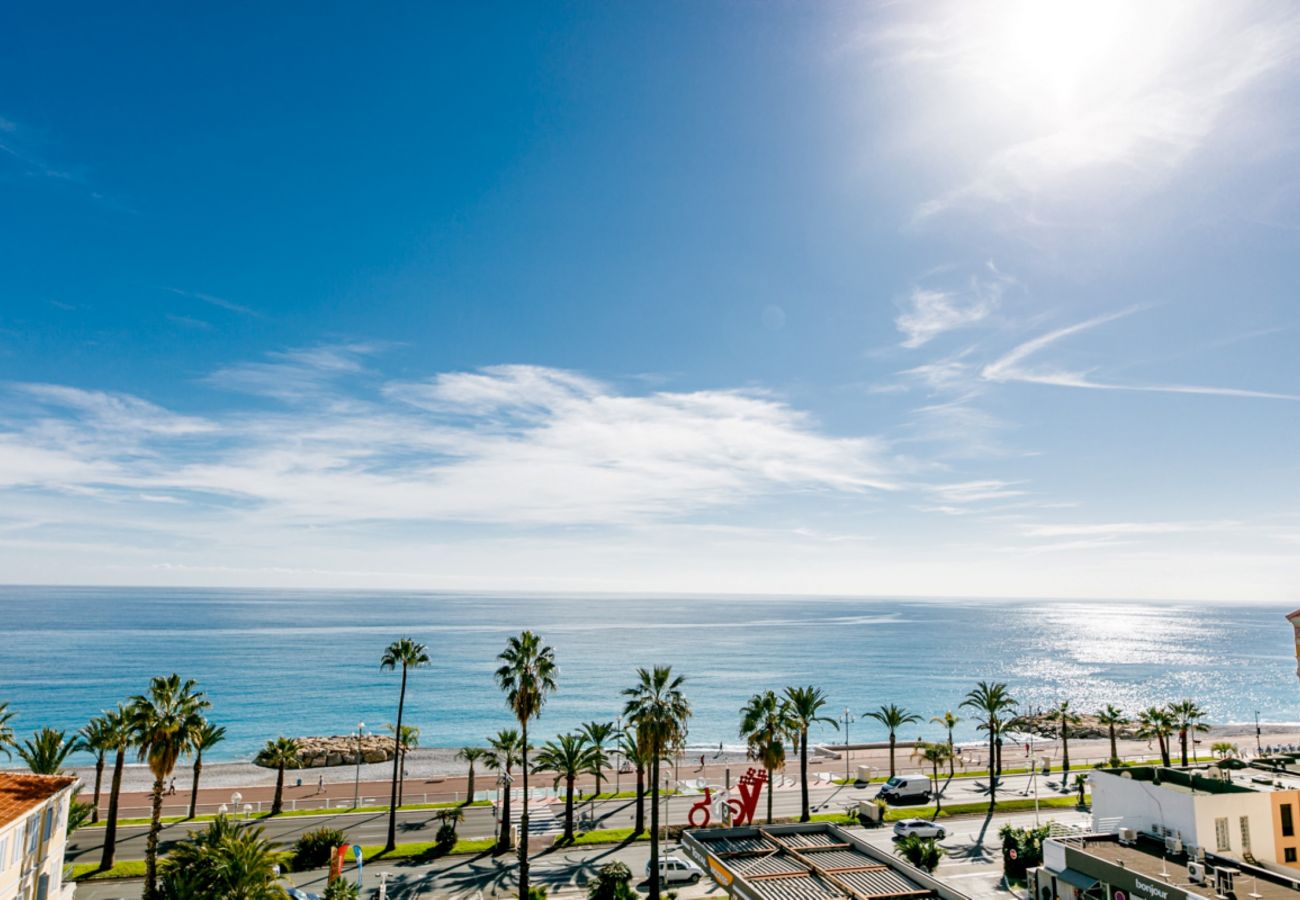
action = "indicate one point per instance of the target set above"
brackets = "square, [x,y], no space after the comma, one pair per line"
[235,799]
[618,761]
[1259,750]
[356,781]
[848,720]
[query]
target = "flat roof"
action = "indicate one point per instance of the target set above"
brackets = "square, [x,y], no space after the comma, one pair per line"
[1185,781]
[814,861]
[20,792]
[1148,858]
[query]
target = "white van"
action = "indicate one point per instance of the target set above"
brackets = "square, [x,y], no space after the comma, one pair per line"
[906,789]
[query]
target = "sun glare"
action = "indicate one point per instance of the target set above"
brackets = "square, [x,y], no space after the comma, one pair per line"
[1054,48]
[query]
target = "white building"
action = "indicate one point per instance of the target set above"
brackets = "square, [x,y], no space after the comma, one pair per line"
[1200,811]
[33,825]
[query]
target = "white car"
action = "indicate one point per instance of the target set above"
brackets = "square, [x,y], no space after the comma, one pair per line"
[674,868]
[919,827]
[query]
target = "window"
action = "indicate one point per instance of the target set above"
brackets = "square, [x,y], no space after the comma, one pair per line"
[33,832]
[1288,855]
[1222,839]
[1288,823]
[4,853]
[1245,832]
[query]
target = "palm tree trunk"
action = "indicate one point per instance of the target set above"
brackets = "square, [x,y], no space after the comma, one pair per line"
[599,750]
[938,795]
[151,843]
[523,821]
[391,843]
[891,752]
[110,830]
[1114,755]
[278,803]
[1182,745]
[503,839]
[769,796]
[1065,758]
[654,827]
[194,785]
[803,774]
[469,785]
[99,777]
[568,809]
[952,757]
[640,799]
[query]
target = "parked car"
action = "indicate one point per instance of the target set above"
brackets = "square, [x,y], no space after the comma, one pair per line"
[674,868]
[919,827]
[906,789]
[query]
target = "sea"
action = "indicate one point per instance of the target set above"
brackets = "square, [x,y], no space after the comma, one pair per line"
[302,663]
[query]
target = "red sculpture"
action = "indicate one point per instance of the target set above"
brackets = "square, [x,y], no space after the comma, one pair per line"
[739,812]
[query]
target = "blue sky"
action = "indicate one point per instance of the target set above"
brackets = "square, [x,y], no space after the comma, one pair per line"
[945,299]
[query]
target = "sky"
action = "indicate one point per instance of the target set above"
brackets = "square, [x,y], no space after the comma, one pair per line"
[949,299]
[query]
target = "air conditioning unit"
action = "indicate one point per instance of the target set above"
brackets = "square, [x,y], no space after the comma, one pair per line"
[1196,872]
[1128,836]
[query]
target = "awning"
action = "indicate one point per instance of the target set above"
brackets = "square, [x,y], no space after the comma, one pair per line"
[1077,878]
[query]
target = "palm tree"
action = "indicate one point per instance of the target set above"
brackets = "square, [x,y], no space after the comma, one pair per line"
[163,723]
[991,701]
[503,758]
[410,740]
[527,676]
[893,717]
[936,755]
[205,738]
[1065,718]
[764,724]
[224,860]
[409,655]
[1157,723]
[631,750]
[1188,717]
[804,705]
[597,734]
[471,755]
[568,756]
[97,737]
[47,750]
[657,710]
[119,723]
[279,754]
[1112,717]
[949,721]
[6,730]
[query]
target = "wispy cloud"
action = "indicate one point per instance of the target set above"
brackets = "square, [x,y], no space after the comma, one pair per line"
[219,302]
[930,312]
[517,445]
[1014,366]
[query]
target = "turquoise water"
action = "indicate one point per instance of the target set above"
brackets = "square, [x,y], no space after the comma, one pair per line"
[299,662]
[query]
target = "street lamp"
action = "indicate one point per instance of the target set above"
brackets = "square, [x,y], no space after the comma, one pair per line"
[235,799]
[848,720]
[356,781]
[618,760]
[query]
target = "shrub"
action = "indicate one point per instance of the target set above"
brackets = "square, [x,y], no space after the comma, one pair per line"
[613,882]
[312,850]
[341,889]
[924,853]
[1028,846]
[536,892]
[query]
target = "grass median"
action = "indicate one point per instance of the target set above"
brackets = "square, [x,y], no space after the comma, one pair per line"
[292,813]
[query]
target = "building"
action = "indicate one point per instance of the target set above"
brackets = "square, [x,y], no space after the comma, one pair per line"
[1200,812]
[33,833]
[814,861]
[1138,867]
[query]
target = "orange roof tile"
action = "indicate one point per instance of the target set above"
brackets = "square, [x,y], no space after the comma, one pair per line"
[21,792]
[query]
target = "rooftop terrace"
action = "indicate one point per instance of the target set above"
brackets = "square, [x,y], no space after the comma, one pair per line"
[808,862]
[1184,780]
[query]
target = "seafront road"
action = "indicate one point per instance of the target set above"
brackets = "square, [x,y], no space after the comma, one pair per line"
[420,825]
[972,865]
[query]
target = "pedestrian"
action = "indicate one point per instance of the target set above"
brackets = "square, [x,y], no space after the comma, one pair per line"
[701,762]
[320,785]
